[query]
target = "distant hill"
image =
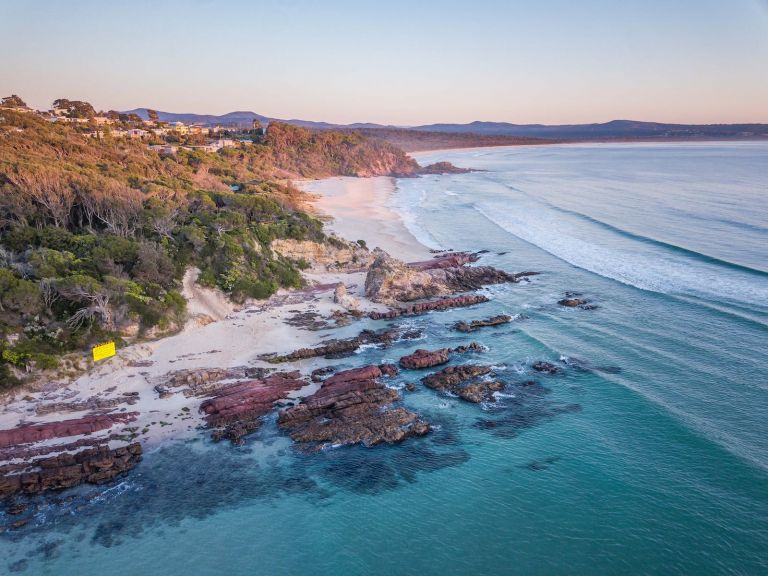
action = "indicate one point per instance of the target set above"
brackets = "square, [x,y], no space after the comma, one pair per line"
[232,118]
[616,129]
[420,140]
[241,118]
[613,130]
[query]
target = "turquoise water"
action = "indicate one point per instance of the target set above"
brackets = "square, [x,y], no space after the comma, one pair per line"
[648,455]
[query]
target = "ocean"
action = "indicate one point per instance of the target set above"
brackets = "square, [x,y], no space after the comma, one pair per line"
[647,454]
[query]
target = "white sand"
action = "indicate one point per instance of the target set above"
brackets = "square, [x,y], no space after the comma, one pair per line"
[360,208]
[218,336]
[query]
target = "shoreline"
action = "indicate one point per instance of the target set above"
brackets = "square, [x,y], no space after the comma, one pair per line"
[358,209]
[217,335]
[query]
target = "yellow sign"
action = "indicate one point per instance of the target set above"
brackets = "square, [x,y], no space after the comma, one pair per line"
[103,351]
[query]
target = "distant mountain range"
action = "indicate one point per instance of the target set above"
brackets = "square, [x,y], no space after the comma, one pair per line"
[616,129]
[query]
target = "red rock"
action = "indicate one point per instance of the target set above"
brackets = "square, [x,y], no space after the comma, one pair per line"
[92,465]
[30,433]
[351,407]
[425,358]
[237,409]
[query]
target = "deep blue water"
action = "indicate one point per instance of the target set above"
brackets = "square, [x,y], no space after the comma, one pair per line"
[648,455]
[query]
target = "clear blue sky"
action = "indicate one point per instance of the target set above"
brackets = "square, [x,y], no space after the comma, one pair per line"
[392,61]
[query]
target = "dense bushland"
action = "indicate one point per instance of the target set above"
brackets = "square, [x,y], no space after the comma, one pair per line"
[96,233]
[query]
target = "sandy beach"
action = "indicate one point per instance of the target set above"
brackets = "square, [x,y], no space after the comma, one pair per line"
[359,208]
[220,335]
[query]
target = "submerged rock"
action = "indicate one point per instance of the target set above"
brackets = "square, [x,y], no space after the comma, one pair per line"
[352,407]
[546,367]
[574,300]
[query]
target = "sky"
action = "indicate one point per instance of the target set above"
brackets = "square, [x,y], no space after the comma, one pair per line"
[396,62]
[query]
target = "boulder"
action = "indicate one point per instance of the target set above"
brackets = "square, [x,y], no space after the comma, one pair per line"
[344,299]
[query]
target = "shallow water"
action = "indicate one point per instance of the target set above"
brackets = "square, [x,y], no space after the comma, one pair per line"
[648,455]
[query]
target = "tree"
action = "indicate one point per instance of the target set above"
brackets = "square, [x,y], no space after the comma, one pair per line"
[153,116]
[13,101]
[112,204]
[153,265]
[81,289]
[48,188]
[74,108]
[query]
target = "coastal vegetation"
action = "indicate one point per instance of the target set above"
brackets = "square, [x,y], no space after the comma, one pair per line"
[97,231]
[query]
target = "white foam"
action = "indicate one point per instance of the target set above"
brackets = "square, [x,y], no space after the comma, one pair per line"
[627,261]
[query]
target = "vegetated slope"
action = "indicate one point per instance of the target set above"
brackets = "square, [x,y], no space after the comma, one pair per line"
[95,233]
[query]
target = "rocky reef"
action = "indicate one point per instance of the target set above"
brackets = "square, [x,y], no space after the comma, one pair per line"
[428,358]
[352,407]
[424,307]
[343,347]
[574,300]
[29,433]
[236,410]
[466,382]
[463,326]
[95,465]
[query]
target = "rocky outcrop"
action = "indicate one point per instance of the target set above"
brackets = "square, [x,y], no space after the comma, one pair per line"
[443,168]
[352,407]
[428,358]
[465,382]
[335,254]
[237,409]
[389,280]
[424,307]
[30,433]
[463,326]
[344,347]
[90,466]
